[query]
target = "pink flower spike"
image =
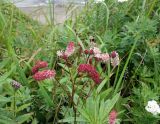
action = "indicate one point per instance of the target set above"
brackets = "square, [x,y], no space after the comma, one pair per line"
[70,49]
[45,74]
[38,65]
[112,117]
[68,52]
[34,69]
[91,71]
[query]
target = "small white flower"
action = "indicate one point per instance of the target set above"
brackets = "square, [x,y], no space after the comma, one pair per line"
[153,107]
[122,1]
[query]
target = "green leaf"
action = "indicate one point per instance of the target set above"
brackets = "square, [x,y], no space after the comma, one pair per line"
[63,80]
[6,113]
[110,104]
[84,113]
[22,75]
[6,120]
[102,84]
[71,119]
[7,74]
[34,121]
[105,93]
[64,67]
[4,63]
[23,107]
[21,119]
[45,95]
[4,100]
[100,39]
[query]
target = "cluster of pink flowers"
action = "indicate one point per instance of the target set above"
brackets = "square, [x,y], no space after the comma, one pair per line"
[44,74]
[103,57]
[68,52]
[112,117]
[39,65]
[91,71]
[94,53]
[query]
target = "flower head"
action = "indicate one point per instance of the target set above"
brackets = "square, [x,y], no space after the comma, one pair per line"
[112,117]
[104,57]
[38,65]
[42,75]
[70,49]
[153,107]
[114,59]
[91,71]
[68,52]
[16,85]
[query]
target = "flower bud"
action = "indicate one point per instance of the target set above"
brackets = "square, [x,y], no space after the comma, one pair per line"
[16,85]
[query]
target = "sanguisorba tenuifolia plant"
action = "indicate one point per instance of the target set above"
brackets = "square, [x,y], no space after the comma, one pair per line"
[84,75]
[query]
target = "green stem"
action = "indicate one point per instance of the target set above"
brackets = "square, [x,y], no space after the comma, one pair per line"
[51,12]
[109,71]
[107,14]
[152,7]
[56,112]
[97,17]
[124,69]
[143,5]
[72,96]
[63,87]
[117,72]
[8,42]
[14,104]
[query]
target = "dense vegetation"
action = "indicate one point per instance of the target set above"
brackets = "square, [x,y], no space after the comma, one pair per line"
[101,67]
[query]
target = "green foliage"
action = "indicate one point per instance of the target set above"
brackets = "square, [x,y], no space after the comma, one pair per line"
[96,110]
[15,105]
[140,98]
[131,28]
